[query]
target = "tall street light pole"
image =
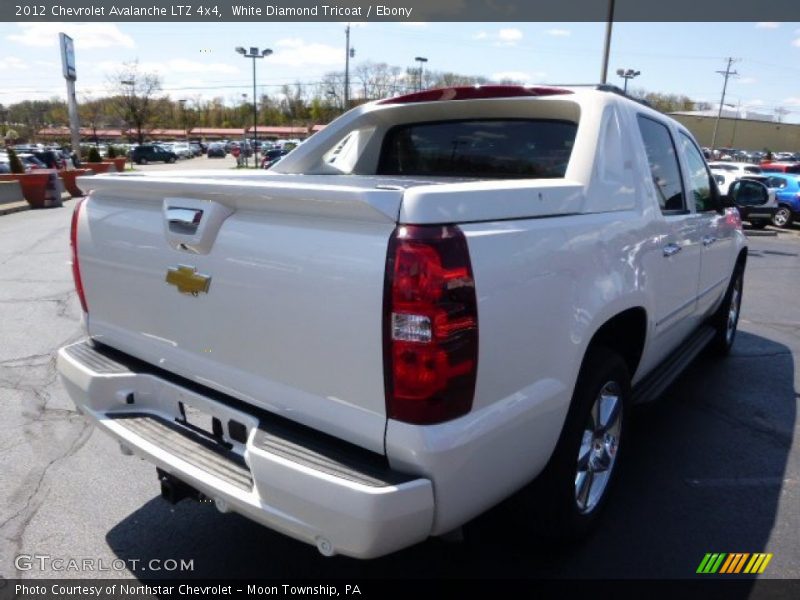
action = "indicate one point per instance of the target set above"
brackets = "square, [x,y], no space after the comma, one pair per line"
[627,74]
[254,53]
[421,60]
[348,54]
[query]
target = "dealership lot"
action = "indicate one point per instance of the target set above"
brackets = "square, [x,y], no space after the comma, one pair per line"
[713,467]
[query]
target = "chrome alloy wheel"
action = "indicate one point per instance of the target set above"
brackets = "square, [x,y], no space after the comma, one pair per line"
[733,310]
[599,445]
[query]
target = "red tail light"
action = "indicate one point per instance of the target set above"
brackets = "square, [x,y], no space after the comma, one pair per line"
[430,327]
[733,218]
[73,242]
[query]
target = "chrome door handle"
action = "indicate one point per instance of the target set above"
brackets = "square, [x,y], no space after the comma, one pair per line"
[671,249]
[184,220]
[708,240]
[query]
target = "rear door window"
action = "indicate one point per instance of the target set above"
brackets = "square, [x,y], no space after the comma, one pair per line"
[489,148]
[699,176]
[664,168]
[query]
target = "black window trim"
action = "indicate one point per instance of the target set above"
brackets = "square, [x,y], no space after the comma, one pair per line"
[667,213]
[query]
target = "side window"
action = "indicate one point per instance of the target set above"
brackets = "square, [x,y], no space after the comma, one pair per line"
[699,176]
[663,160]
[777,182]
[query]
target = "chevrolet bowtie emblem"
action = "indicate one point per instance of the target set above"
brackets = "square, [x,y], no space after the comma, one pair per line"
[188,280]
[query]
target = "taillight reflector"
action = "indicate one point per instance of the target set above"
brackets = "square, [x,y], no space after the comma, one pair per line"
[73,242]
[430,325]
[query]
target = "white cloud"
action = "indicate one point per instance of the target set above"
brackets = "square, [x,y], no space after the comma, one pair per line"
[511,34]
[296,52]
[12,63]
[86,35]
[559,32]
[768,25]
[796,43]
[504,37]
[792,101]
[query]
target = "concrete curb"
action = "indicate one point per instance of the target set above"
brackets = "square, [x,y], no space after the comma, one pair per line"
[13,207]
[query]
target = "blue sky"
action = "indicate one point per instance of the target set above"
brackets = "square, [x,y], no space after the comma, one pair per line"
[198,60]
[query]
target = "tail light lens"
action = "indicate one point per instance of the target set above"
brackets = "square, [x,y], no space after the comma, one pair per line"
[73,242]
[430,325]
[733,218]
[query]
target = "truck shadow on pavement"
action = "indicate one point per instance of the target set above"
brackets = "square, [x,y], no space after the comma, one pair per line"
[703,472]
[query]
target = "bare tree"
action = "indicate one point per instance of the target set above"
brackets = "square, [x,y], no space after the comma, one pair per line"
[92,112]
[136,97]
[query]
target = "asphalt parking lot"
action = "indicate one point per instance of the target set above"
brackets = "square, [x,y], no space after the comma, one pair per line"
[712,467]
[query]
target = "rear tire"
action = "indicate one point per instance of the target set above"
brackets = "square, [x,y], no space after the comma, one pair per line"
[782,217]
[726,319]
[570,494]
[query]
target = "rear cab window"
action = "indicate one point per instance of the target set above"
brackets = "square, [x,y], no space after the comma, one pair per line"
[480,148]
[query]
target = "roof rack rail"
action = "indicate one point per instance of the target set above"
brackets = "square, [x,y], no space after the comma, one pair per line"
[603,87]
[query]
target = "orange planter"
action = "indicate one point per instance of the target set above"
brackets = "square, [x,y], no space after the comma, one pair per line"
[119,163]
[68,177]
[37,187]
[98,168]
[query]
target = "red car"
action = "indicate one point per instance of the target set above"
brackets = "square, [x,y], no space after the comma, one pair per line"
[780,167]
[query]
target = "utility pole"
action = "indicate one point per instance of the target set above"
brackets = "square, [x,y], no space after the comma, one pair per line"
[607,44]
[347,69]
[727,73]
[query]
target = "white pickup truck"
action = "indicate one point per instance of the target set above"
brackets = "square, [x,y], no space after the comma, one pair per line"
[434,302]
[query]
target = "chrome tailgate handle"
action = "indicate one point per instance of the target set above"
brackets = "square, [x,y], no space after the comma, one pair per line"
[184,220]
[671,249]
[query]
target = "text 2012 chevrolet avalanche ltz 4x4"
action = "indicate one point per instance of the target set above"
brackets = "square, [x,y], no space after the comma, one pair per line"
[434,302]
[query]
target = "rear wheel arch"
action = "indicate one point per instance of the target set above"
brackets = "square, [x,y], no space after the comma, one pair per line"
[625,334]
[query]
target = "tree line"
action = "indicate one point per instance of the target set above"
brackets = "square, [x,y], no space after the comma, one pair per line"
[137,102]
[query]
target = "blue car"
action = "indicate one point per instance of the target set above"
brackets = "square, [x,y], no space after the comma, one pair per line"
[787,195]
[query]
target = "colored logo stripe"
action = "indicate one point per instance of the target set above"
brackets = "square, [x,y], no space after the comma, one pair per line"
[711,563]
[734,563]
[723,563]
[758,563]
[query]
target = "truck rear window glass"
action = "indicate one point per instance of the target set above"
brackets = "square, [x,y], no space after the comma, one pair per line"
[489,148]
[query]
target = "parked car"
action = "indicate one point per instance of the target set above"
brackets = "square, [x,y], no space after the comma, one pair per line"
[197,149]
[365,352]
[216,151]
[726,173]
[787,195]
[50,158]
[272,156]
[146,153]
[780,167]
[30,161]
[757,206]
[182,150]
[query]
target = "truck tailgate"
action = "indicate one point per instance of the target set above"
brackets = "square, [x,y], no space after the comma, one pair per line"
[266,288]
